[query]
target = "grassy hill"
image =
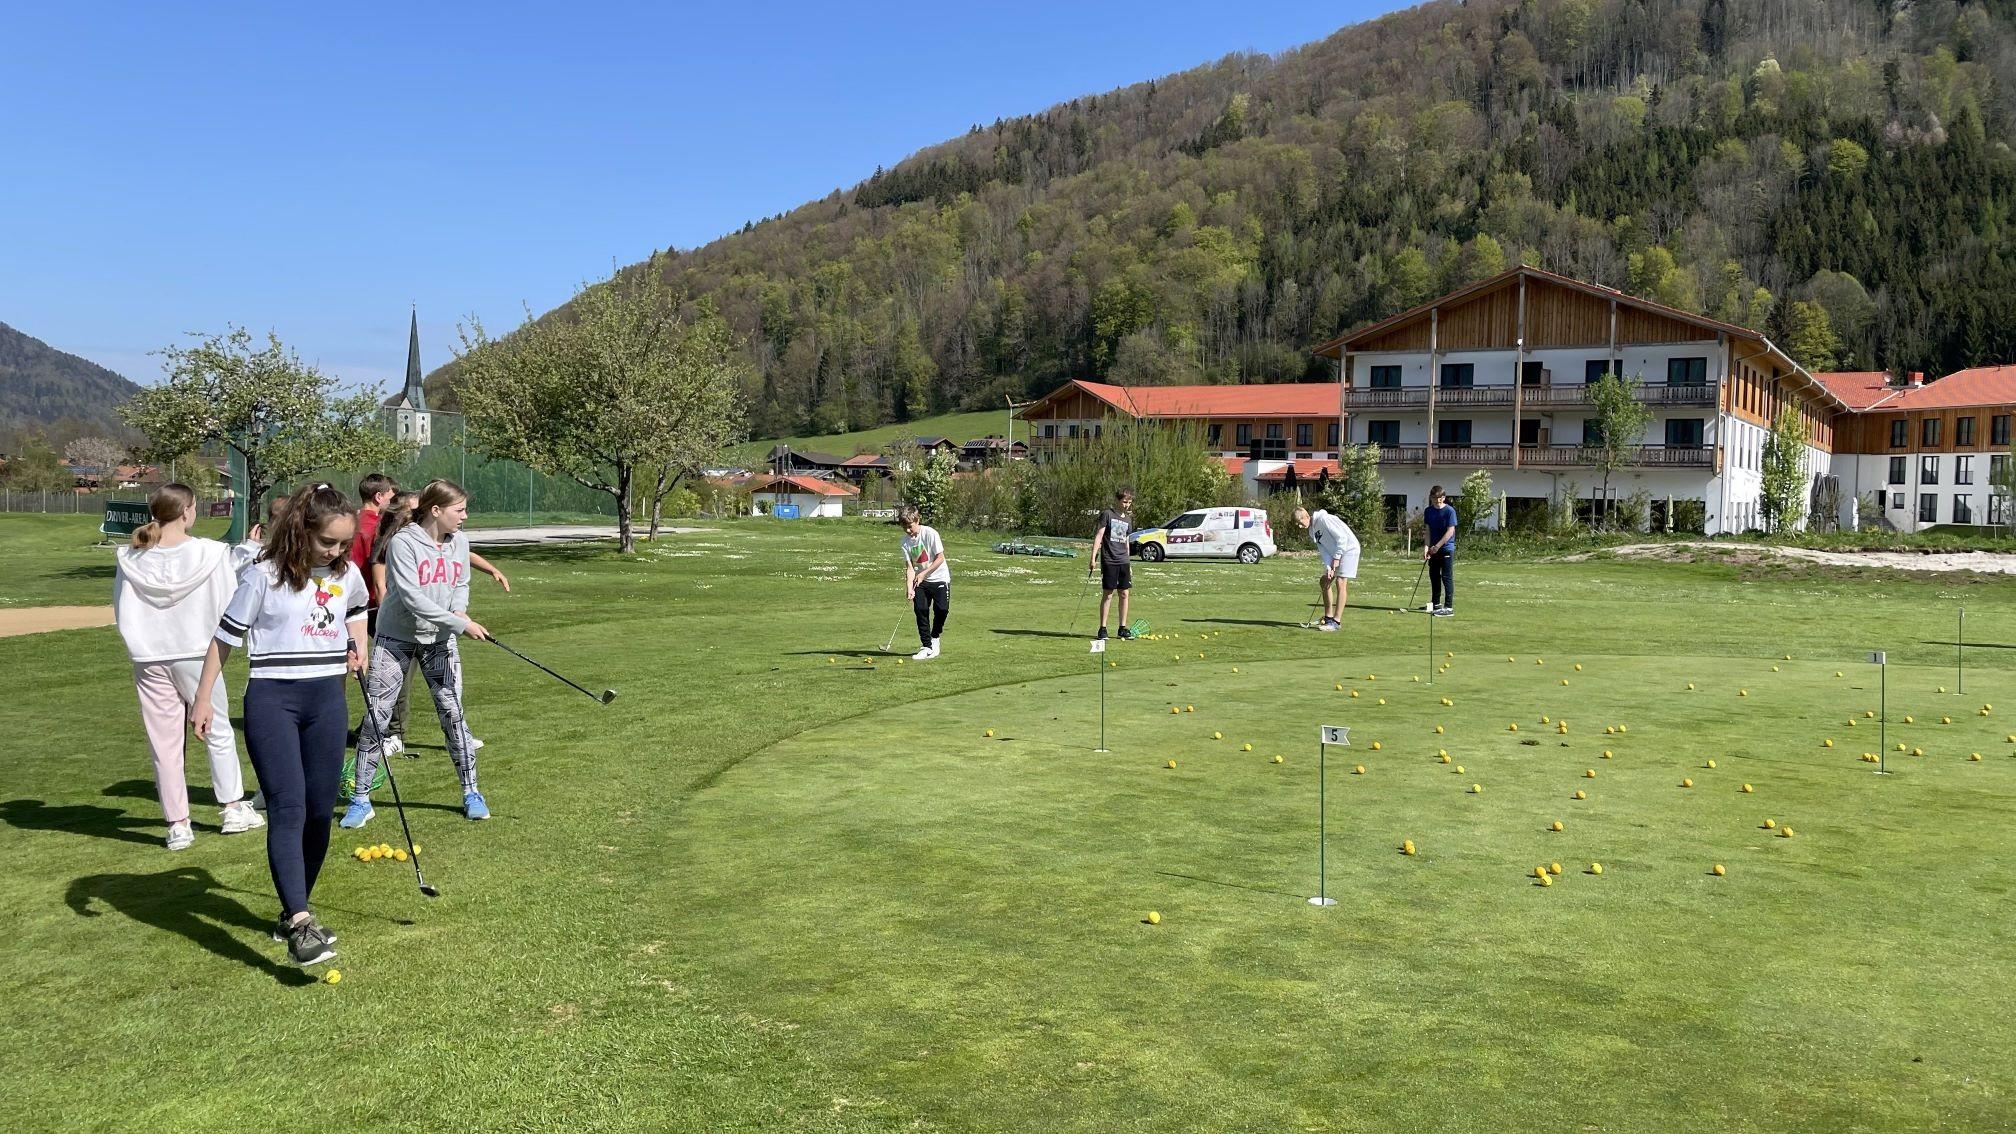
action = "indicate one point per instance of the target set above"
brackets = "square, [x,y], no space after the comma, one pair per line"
[960,427]
[1834,172]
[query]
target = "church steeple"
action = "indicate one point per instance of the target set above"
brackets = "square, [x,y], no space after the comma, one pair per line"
[416,392]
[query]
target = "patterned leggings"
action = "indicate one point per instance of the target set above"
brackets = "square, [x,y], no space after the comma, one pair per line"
[385,685]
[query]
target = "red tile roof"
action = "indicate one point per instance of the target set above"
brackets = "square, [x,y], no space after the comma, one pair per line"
[1975,386]
[1233,465]
[864,460]
[1264,399]
[1860,389]
[807,484]
[1304,470]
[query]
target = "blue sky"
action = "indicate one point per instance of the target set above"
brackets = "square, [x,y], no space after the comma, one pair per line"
[171,168]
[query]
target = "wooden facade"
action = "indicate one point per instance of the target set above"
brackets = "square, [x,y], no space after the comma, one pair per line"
[1870,432]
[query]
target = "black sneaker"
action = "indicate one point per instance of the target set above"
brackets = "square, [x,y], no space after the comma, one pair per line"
[1126,635]
[309,943]
[1102,634]
[283,928]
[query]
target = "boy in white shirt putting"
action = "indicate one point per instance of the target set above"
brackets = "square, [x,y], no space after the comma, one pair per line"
[1337,547]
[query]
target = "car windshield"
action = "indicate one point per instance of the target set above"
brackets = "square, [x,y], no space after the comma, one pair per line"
[1186,520]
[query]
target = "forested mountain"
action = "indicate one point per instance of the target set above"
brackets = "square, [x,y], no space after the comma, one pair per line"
[41,386]
[1837,172]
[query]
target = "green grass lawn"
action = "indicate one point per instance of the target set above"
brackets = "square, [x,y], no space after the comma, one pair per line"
[960,427]
[776,886]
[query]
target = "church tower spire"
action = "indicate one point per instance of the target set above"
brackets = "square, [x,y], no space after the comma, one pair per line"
[416,392]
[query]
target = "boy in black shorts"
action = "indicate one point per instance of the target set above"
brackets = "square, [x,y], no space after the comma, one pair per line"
[1110,558]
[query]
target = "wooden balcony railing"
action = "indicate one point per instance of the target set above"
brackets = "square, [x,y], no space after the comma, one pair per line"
[1466,396]
[1386,397]
[1645,456]
[1487,455]
[1415,455]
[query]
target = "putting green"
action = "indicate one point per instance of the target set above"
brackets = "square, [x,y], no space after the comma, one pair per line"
[902,868]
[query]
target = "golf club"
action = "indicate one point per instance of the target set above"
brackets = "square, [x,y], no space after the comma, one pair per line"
[426,887]
[1416,592]
[1078,608]
[889,643]
[606,696]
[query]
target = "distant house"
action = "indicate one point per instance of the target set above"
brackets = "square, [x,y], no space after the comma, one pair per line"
[945,444]
[815,498]
[861,466]
[993,450]
[784,460]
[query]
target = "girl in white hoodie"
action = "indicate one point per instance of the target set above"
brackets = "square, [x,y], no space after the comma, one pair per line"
[170,589]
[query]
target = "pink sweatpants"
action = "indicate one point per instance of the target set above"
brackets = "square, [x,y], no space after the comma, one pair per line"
[167,690]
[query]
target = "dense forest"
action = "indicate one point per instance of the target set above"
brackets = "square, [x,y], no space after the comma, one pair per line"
[44,391]
[1835,172]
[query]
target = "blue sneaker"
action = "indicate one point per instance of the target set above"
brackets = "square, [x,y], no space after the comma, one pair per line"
[360,813]
[474,807]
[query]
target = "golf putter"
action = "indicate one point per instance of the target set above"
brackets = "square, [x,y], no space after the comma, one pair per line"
[1078,608]
[1416,592]
[606,696]
[392,781]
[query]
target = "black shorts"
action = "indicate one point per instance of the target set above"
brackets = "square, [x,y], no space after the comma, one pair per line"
[1116,576]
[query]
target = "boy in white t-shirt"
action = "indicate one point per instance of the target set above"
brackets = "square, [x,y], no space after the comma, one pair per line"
[1337,547]
[927,580]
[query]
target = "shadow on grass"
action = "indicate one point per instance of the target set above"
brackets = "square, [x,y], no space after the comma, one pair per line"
[185,901]
[870,652]
[1231,885]
[1974,645]
[90,571]
[82,819]
[1041,633]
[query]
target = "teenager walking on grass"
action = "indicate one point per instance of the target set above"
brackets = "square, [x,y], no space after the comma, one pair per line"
[1111,560]
[1439,550]
[299,613]
[927,580]
[425,607]
[170,589]
[1337,548]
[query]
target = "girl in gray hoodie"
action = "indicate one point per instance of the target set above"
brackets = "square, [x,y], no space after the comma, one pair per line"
[424,607]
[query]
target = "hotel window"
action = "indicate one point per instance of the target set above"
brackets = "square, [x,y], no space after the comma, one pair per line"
[1928,469]
[1963,470]
[1897,470]
[1684,432]
[1336,431]
[1899,434]
[1213,434]
[1998,508]
[1049,431]
[1998,469]
[1074,429]
[1928,507]
[1928,432]
[1385,378]
[1963,509]
[1243,435]
[1305,436]
[1274,433]
[1686,372]
[1963,433]
[1998,430]
[1459,374]
[1592,431]
[1596,368]
[1896,502]
[1454,433]
[1384,433]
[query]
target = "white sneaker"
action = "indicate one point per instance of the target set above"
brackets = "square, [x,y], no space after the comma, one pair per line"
[180,836]
[475,742]
[924,654]
[935,647]
[239,817]
[394,745]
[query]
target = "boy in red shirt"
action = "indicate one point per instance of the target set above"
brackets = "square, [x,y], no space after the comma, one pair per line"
[375,492]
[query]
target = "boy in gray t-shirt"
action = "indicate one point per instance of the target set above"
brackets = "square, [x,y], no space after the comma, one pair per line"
[927,580]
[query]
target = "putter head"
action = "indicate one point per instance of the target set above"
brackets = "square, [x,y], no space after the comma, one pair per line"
[608,695]
[429,889]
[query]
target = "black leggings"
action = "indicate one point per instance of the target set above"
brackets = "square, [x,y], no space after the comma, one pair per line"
[1442,578]
[294,734]
[931,602]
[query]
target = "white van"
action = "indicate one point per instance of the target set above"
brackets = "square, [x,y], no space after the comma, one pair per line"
[1244,534]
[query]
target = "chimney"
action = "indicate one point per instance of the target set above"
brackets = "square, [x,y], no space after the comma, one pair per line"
[1917,379]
